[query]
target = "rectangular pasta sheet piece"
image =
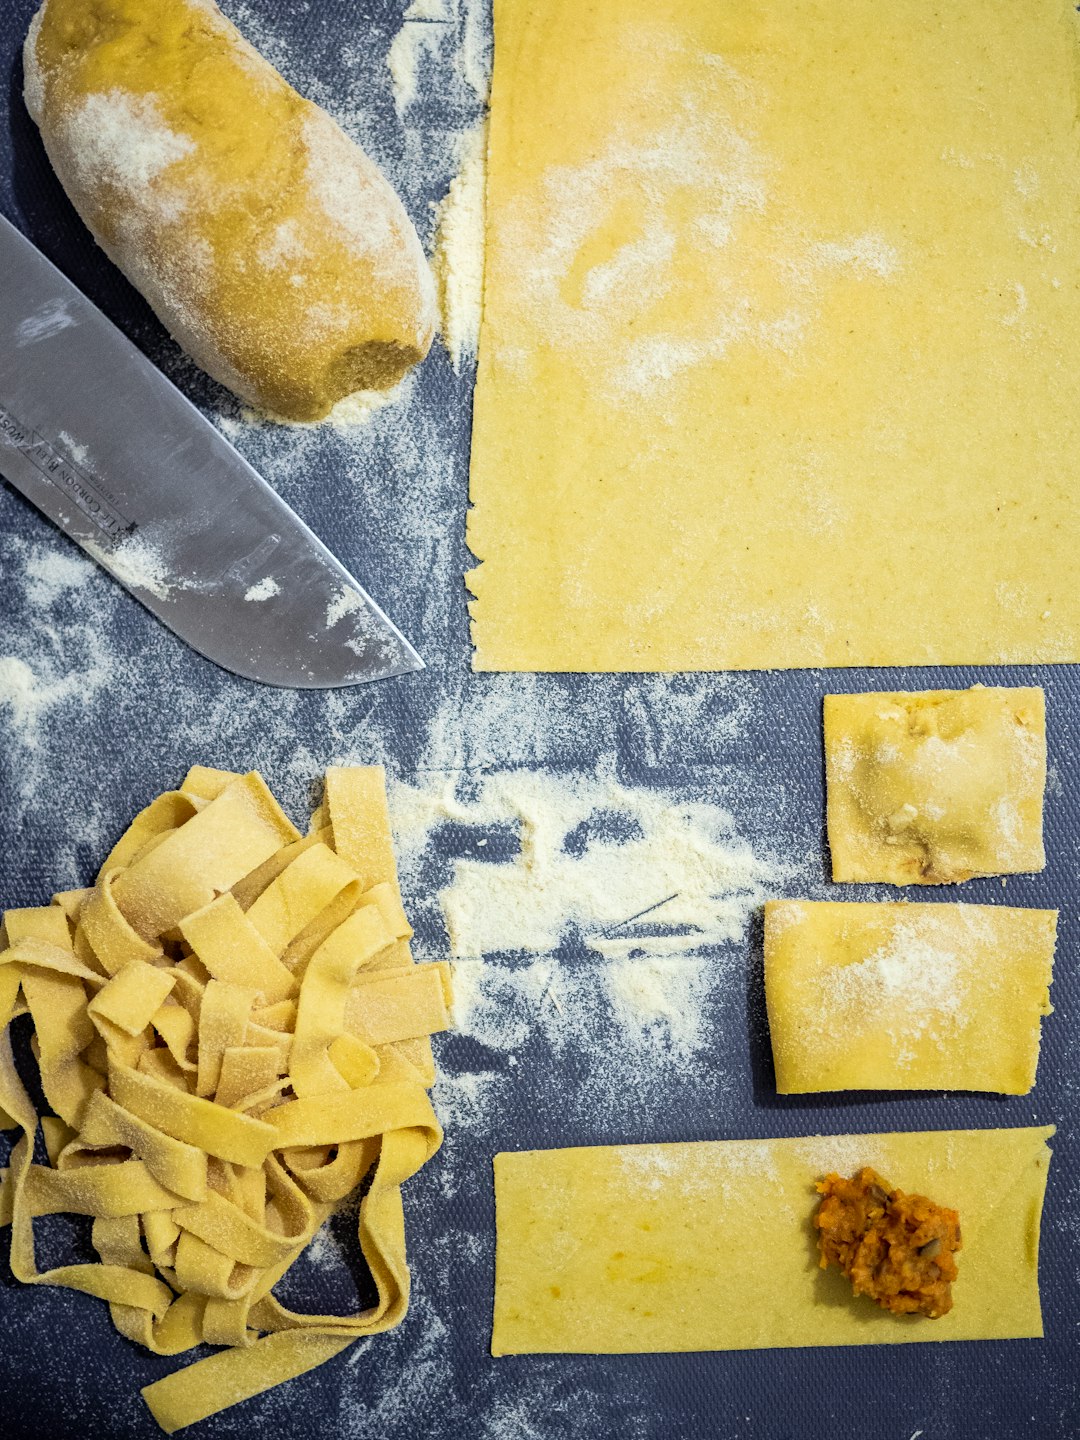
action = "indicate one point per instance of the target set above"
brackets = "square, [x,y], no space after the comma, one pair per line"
[780,363]
[897,996]
[710,1246]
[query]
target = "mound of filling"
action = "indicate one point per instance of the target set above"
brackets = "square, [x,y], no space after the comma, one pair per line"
[898,1249]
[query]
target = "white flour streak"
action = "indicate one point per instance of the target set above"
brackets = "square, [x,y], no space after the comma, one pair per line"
[140,565]
[263,590]
[51,573]
[437,35]
[415,47]
[458,261]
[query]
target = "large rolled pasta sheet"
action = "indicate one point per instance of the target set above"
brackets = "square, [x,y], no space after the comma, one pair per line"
[267,242]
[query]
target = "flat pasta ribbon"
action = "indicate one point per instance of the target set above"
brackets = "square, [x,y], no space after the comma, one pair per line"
[233,1035]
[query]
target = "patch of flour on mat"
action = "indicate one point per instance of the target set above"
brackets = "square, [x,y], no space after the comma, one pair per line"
[55,666]
[35,676]
[635,871]
[424,29]
[51,573]
[612,936]
[458,260]
[431,31]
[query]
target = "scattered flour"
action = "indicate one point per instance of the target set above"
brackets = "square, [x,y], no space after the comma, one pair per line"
[842,1154]
[612,937]
[345,602]
[75,449]
[264,590]
[428,27]
[634,871]
[918,985]
[56,667]
[52,573]
[21,692]
[467,1099]
[140,565]
[661,999]
[37,677]
[923,976]
[705,1168]
[459,249]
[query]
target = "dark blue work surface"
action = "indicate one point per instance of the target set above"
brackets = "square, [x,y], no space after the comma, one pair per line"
[101,708]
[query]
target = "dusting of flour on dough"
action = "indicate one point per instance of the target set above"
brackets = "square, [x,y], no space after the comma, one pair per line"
[666,250]
[348,413]
[121,139]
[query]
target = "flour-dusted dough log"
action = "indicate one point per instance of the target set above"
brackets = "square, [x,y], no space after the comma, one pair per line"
[268,243]
[622,1249]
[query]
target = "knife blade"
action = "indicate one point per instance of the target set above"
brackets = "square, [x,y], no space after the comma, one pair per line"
[96,437]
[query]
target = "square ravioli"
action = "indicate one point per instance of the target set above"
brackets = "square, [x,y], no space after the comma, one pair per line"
[933,787]
[906,997]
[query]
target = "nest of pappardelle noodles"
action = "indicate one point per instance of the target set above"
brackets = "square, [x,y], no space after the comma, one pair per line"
[232,1036]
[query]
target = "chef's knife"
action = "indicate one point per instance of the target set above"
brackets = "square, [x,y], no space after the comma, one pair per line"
[109,449]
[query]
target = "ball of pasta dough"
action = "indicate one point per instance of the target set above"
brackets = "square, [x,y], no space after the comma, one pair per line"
[267,242]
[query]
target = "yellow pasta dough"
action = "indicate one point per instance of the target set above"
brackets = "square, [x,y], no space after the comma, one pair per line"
[232,1035]
[780,358]
[906,997]
[267,242]
[710,1246]
[934,787]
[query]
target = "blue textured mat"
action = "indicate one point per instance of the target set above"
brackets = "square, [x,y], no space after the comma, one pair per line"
[121,709]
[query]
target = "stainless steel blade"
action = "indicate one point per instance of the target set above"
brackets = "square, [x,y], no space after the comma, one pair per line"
[109,449]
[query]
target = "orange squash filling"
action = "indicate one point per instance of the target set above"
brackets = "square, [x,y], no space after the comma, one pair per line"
[898,1249]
